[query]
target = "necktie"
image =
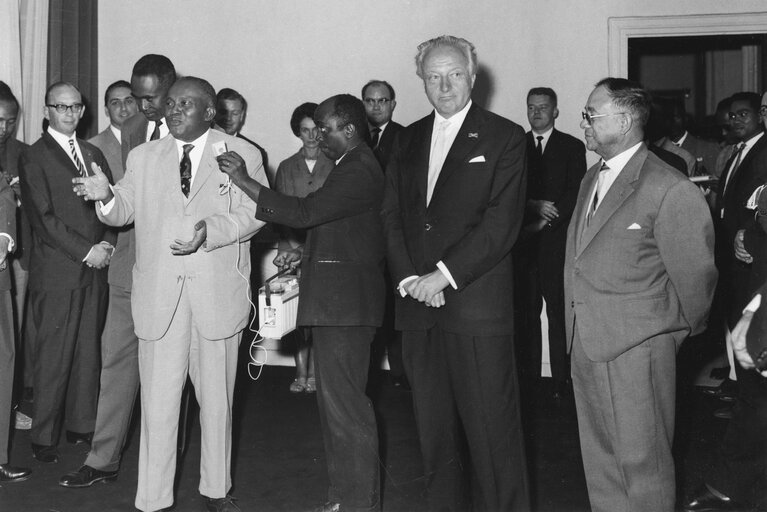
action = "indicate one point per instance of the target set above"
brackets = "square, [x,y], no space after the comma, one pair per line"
[156,132]
[734,166]
[598,192]
[185,169]
[539,146]
[375,134]
[78,163]
[436,160]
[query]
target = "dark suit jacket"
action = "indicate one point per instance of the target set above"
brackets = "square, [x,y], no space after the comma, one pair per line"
[7,226]
[555,177]
[644,265]
[470,224]
[133,134]
[342,267]
[386,143]
[10,164]
[64,227]
[737,281]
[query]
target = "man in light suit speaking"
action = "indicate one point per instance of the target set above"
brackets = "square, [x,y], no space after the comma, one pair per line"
[639,279]
[189,306]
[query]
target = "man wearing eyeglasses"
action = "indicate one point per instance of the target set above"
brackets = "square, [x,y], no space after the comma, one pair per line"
[639,278]
[67,276]
[379,100]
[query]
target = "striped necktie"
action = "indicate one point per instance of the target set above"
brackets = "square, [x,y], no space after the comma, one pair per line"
[78,163]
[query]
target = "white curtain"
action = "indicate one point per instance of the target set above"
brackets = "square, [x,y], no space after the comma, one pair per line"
[23,60]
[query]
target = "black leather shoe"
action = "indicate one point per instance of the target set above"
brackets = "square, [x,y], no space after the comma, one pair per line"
[225,504]
[9,473]
[86,476]
[45,454]
[706,501]
[79,437]
[727,391]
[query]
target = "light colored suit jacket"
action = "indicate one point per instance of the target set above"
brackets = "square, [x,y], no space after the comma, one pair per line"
[644,265]
[150,196]
[121,265]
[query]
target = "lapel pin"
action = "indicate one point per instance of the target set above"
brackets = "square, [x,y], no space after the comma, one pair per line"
[473,135]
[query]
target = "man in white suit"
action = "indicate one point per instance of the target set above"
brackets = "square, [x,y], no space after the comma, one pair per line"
[189,306]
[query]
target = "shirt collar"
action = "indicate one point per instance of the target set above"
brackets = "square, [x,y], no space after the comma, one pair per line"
[60,138]
[682,138]
[454,120]
[382,127]
[545,134]
[619,161]
[116,131]
[198,143]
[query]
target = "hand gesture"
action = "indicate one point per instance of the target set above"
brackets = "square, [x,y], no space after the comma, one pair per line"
[740,250]
[232,164]
[93,188]
[99,255]
[287,259]
[180,248]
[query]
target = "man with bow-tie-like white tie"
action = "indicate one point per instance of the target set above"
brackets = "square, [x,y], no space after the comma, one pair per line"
[452,210]
[639,279]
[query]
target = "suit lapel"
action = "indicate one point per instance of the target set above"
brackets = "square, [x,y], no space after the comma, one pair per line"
[205,170]
[469,134]
[61,156]
[421,147]
[744,163]
[621,189]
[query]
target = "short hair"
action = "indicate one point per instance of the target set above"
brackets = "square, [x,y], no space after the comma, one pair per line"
[301,112]
[378,82]
[543,91]
[207,90]
[6,94]
[349,109]
[460,44]
[230,94]
[60,84]
[114,85]
[753,99]
[156,65]
[629,96]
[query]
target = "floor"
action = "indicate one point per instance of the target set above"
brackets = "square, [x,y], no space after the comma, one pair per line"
[278,461]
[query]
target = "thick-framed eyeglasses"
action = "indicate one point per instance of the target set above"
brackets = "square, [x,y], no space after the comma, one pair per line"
[743,113]
[763,110]
[589,117]
[61,108]
[381,102]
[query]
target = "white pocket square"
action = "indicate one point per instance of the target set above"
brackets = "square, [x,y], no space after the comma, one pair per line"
[476,159]
[635,226]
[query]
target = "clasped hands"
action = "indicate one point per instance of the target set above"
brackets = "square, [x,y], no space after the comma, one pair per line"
[428,288]
[100,255]
[96,188]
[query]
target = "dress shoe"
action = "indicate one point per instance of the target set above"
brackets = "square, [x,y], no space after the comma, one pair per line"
[328,507]
[225,504]
[45,454]
[79,437]
[724,413]
[9,473]
[727,391]
[86,476]
[706,501]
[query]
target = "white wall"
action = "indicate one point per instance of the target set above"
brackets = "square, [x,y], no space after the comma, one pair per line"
[279,53]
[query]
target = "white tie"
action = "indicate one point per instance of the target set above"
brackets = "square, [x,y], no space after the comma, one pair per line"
[436,159]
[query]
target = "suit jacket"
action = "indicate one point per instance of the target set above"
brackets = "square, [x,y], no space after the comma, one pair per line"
[13,150]
[64,227]
[704,149]
[470,224]
[7,226]
[386,143]
[342,280]
[150,196]
[124,256]
[133,134]
[624,286]
[689,159]
[261,150]
[739,282]
[555,177]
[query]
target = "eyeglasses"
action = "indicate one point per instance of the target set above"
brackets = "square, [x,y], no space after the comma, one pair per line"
[372,102]
[589,117]
[743,114]
[61,108]
[763,110]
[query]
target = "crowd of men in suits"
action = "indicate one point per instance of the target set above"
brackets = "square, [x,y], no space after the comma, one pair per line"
[136,248]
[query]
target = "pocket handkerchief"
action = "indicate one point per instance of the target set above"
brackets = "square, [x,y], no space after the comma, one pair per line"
[476,159]
[635,226]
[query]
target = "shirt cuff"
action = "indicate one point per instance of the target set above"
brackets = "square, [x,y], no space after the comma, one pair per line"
[89,253]
[752,202]
[442,268]
[105,208]
[402,284]
[11,242]
[754,304]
